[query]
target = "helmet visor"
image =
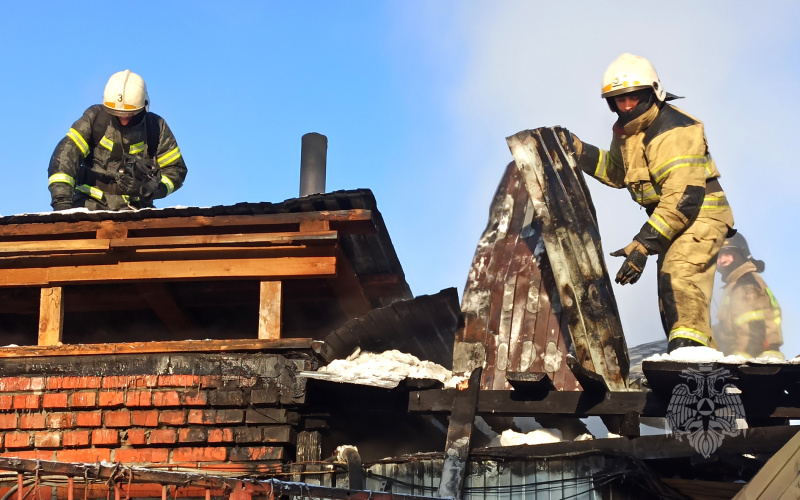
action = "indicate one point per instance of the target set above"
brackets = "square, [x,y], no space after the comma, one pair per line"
[127,110]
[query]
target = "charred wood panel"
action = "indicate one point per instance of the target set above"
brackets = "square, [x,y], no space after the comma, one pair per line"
[545,159]
[511,309]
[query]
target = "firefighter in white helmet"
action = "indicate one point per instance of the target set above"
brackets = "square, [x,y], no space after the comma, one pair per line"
[660,154]
[118,155]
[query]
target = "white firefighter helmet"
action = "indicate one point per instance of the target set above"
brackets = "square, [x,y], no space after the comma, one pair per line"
[629,73]
[125,94]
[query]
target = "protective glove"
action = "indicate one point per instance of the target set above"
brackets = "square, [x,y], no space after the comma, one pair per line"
[149,186]
[635,259]
[128,184]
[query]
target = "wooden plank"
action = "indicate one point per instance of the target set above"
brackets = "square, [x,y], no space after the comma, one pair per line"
[228,345]
[284,267]
[780,476]
[51,316]
[186,222]
[211,240]
[109,230]
[269,312]
[459,434]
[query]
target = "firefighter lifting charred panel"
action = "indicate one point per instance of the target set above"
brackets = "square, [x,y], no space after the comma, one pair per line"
[660,155]
[118,155]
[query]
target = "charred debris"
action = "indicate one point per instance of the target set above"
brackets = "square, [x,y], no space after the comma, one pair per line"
[189,352]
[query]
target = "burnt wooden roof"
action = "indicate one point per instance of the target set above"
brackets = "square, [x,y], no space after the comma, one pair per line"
[342,230]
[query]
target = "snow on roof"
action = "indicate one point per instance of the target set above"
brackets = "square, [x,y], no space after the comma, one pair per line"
[385,370]
[708,355]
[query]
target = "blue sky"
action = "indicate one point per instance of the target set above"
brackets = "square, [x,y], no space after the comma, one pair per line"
[416,99]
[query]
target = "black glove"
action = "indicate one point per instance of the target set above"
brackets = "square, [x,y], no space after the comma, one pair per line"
[635,259]
[128,184]
[150,185]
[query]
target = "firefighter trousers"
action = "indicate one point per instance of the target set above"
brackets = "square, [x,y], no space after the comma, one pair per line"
[686,280]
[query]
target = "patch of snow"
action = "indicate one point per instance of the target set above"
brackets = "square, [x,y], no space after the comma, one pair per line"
[386,370]
[539,436]
[697,354]
[584,437]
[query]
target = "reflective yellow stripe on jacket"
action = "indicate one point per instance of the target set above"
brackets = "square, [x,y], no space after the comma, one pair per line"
[170,156]
[61,177]
[680,162]
[714,203]
[661,226]
[92,191]
[601,171]
[167,182]
[136,148]
[78,139]
[107,143]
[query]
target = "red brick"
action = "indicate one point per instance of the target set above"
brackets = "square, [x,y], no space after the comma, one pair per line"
[256,453]
[141,456]
[220,435]
[83,400]
[14,384]
[54,400]
[6,401]
[178,381]
[76,438]
[136,437]
[195,398]
[89,418]
[117,418]
[33,421]
[1,441]
[193,435]
[173,417]
[111,398]
[18,440]
[163,436]
[204,417]
[55,383]
[119,382]
[61,420]
[147,418]
[47,439]
[9,421]
[229,417]
[139,398]
[37,384]
[217,454]
[166,398]
[210,381]
[31,454]
[85,455]
[105,437]
[27,402]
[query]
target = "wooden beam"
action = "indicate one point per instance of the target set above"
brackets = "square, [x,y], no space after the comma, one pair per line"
[220,221]
[780,476]
[459,434]
[160,300]
[284,267]
[228,345]
[348,289]
[269,313]
[51,316]
[581,404]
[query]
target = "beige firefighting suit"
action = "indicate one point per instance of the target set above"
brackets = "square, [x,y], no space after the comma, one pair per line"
[662,158]
[749,316]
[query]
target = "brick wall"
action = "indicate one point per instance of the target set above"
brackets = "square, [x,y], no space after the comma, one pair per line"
[242,420]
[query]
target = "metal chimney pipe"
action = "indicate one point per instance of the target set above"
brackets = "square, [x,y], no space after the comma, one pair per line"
[313,159]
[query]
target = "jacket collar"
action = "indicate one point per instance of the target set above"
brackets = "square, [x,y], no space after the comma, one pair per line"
[747,267]
[637,124]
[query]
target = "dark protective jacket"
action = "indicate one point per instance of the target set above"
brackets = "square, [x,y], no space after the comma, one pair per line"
[662,158]
[85,163]
[749,316]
